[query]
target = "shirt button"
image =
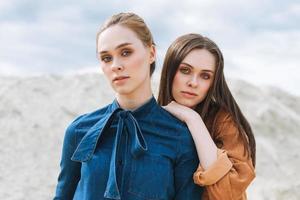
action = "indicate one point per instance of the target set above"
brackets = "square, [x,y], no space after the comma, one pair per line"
[120,162]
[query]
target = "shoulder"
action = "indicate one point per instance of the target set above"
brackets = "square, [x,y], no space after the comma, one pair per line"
[173,126]
[225,124]
[169,120]
[223,117]
[87,120]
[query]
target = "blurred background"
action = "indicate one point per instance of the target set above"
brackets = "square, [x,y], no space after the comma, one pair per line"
[49,74]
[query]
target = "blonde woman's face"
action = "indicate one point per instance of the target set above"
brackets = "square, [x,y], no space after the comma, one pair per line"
[193,78]
[125,60]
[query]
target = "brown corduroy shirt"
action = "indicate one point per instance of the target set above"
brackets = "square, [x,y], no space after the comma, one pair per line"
[232,172]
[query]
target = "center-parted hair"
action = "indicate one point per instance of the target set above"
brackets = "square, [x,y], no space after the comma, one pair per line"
[218,96]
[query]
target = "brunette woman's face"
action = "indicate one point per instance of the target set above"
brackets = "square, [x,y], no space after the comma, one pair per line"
[125,60]
[194,77]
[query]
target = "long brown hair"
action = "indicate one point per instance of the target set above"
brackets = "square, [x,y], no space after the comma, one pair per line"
[134,23]
[218,96]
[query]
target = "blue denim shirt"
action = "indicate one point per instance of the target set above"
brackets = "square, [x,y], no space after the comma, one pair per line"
[130,155]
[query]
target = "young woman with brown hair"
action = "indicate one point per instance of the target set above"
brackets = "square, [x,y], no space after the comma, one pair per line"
[193,88]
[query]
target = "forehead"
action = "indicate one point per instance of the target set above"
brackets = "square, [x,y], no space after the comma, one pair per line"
[200,59]
[115,35]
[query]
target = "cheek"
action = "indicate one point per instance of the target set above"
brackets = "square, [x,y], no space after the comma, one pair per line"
[178,81]
[205,88]
[177,84]
[138,61]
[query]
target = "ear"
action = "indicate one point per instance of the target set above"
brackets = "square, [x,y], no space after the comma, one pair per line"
[152,54]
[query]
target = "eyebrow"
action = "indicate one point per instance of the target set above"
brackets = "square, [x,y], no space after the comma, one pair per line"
[117,47]
[205,70]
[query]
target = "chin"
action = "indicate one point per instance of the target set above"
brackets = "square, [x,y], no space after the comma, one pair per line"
[124,92]
[192,106]
[186,103]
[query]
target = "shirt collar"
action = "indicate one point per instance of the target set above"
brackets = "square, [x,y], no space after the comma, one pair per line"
[141,111]
[88,143]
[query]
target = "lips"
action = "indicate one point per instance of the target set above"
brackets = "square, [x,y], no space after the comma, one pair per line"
[189,93]
[119,78]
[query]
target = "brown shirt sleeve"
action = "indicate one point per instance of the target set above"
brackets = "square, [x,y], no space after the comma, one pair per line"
[232,172]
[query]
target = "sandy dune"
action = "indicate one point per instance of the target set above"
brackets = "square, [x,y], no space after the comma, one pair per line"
[35,111]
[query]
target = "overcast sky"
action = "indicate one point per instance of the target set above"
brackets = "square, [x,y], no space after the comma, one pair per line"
[260,39]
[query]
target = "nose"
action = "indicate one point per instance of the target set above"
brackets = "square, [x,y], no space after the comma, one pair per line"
[117,65]
[193,82]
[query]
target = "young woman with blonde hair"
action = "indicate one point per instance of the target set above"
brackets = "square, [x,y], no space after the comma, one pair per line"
[131,149]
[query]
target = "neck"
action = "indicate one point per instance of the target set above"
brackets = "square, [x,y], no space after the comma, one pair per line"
[136,99]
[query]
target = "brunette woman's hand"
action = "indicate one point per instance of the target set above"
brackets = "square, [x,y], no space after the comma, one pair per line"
[183,113]
[206,148]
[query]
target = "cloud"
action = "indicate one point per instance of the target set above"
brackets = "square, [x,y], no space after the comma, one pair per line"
[54,40]
[259,39]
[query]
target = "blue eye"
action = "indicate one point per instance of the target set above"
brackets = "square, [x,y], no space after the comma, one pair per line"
[125,53]
[106,59]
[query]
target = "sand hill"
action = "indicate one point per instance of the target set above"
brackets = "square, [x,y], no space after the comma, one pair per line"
[34,112]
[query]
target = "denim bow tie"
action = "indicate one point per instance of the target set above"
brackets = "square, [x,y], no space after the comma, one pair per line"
[88,144]
[139,146]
